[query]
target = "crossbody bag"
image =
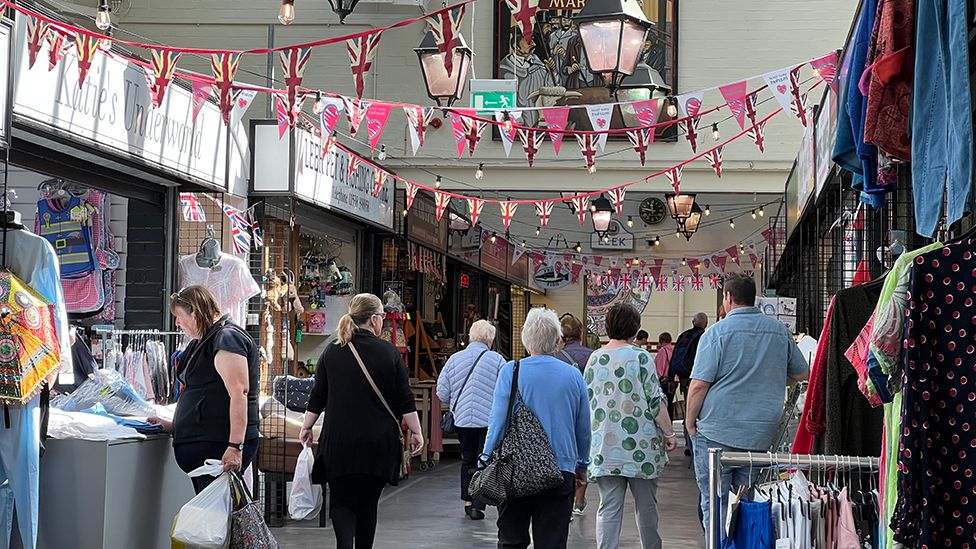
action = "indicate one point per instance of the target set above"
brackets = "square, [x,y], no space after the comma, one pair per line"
[447,422]
[404,450]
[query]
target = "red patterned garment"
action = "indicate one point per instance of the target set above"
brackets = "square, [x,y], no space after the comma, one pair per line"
[813,422]
[888,79]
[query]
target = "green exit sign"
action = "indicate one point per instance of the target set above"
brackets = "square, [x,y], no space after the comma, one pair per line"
[493,94]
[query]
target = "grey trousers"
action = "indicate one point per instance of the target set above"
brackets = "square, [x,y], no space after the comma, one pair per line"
[609,517]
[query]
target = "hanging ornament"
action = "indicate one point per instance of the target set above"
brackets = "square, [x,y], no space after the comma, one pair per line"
[224,66]
[36,35]
[475,205]
[543,210]
[293,62]
[201,93]
[531,141]
[579,204]
[617,198]
[163,67]
[641,139]
[86,46]
[674,178]
[508,212]
[446,28]
[362,52]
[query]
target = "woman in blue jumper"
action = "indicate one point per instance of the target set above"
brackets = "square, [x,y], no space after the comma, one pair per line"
[466,385]
[556,393]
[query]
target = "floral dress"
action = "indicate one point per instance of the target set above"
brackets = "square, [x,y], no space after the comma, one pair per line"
[625,396]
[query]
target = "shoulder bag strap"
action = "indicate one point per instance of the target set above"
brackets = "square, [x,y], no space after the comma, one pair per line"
[570,357]
[467,377]
[372,383]
[512,396]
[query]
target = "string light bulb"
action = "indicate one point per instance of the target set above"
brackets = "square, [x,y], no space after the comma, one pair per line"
[287,12]
[437,182]
[657,240]
[715,134]
[684,262]
[578,247]
[761,211]
[523,244]
[319,105]
[538,230]
[635,261]
[708,210]
[606,239]
[494,237]
[591,168]
[404,213]
[673,108]
[382,155]
[732,223]
[753,214]
[630,221]
[105,44]
[479,174]
[507,122]
[103,16]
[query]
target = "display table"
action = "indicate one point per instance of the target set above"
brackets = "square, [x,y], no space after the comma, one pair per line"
[110,495]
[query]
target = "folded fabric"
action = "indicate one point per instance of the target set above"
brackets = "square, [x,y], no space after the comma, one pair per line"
[83,426]
[143,427]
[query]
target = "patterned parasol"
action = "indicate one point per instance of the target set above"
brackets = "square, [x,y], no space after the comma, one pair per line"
[29,349]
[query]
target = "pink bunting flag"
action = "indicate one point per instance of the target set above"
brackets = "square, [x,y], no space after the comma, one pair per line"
[544,210]
[714,158]
[754,259]
[656,268]
[721,261]
[575,270]
[508,212]
[282,111]
[674,178]
[379,179]
[735,95]
[826,68]
[556,118]
[201,92]
[647,111]
[362,52]
[693,264]
[579,205]
[441,200]
[475,205]
[733,252]
[617,198]
[376,116]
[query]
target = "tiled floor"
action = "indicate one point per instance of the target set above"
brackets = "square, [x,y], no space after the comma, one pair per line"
[425,511]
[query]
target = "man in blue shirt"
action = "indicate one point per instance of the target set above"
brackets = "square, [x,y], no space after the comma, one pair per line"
[738,385]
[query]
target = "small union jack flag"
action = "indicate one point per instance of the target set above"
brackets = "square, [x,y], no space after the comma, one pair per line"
[588,143]
[661,283]
[751,101]
[362,52]
[418,118]
[697,283]
[55,45]
[617,198]
[523,11]
[475,205]
[379,179]
[282,111]
[355,111]
[714,281]
[163,67]
[644,283]
[475,129]
[679,283]
[412,189]
[674,178]
[354,162]
[257,234]
[508,212]
[625,279]
[799,104]
[240,229]
[460,124]
[224,66]
[543,210]
[36,34]
[531,141]
[714,158]
[441,200]
[579,205]
[192,210]
[87,46]
[691,127]
[293,63]
[446,28]
[641,139]
[758,135]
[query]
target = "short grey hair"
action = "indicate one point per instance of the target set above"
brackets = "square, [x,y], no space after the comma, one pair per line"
[700,320]
[541,332]
[482,331]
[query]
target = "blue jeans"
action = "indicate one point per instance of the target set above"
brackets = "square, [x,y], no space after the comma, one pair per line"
[942,131]
[19,473]
[731,476]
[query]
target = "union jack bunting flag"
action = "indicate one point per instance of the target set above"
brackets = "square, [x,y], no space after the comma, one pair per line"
[293,62]
[475,205]
[441,200]
[714,281]
[354,162]
[523,11]
[758,135]
[640,139]
[531,141]
[644,283]
[362,51]
[674,178]
[87,46]
[412,189]
[691,133]
[282,111]
[240,229]
[625,279]
[36,34]
[355,111]
[257,234]
[697,283]
[460,125]
[475,129]
[163,67]
[224,67]
[714,158]
[543,210]
[192,210]
[748,273]
[418,118]
[55,45]
[799,104]
[508,212]
[579,205]
[588,143]
[678,284]
[661,283]
[379,179]
[446,28]
[617,198]
[751,101]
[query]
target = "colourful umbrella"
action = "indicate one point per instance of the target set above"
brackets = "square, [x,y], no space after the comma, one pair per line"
[29,349]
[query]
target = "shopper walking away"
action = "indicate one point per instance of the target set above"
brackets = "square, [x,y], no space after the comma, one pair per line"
[467,385]
[683,360]
[555,392]
[361,383]
[735,401]
[662,364]
[217,412]
[641,339]
[632,430]
[575,354]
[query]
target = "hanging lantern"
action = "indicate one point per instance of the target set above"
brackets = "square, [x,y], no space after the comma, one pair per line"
[343,8]
[443,87]
[613,34]
[680,205]
[601,211]
[689,226]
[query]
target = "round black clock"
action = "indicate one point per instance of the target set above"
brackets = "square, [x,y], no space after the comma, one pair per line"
[653,211]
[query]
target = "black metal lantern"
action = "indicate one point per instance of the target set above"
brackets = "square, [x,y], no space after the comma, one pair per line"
[600,211]
[443,87]
[689,226]
[680,206]
[343,8]
[613,34]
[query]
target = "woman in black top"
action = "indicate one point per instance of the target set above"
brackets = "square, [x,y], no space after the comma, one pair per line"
[217,412]
[359,449]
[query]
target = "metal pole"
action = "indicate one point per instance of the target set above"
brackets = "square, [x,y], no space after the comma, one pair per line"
[712,539]
[795,461]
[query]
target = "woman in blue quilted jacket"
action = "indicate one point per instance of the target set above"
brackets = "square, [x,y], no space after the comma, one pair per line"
[466,385]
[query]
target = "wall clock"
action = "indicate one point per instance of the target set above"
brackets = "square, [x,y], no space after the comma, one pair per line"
[653,211]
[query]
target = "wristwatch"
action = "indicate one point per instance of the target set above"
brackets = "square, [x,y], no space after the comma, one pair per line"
[239,446]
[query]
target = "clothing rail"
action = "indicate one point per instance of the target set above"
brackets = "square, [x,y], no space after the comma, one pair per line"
[717,458]
[115,331]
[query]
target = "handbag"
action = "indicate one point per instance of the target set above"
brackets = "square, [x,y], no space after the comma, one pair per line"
[247,527]
[447,422]
[524,463]
[404,450]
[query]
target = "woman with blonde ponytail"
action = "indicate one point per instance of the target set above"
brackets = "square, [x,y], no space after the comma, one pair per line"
[362,385]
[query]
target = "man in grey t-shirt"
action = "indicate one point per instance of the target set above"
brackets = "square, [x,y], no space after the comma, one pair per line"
[738,385]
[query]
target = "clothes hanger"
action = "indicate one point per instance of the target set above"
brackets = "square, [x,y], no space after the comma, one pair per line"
[209,255]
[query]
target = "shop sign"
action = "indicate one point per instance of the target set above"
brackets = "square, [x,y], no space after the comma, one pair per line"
[494,257]
[553,274]
[805,170]
[619,238]
[112,110]
[423,226]
[327,182]
[826,133]
[6,35]
[465,246]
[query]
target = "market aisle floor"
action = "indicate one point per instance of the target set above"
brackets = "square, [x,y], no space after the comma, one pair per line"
[425,512]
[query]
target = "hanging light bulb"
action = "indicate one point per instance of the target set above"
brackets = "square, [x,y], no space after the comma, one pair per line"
[606,239]
[708,210]
[753,214]
[382,155]
[103,17]
[479,174]
[494,238]
[677,233]
[761,211]
[578,247]
[538,230]
[591,168]
[287,12]
[684,262]
[657,240]
[404,213]
[635,261]
[732,223]
[319,105]
[630,221]
[105,44]
[437,182]
[523,243]
[715,135]
[672,108]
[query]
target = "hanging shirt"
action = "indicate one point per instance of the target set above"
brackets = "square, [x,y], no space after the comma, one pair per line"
[230,281]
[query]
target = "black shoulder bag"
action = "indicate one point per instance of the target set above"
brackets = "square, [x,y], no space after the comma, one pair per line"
[447,422]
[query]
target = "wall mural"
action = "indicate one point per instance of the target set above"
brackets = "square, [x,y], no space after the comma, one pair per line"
[601,296]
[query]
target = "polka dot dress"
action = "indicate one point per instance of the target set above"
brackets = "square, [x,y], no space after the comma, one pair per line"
[625,397]
[937,450]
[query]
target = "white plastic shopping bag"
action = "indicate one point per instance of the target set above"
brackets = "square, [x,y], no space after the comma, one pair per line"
[205,520]
[305,500]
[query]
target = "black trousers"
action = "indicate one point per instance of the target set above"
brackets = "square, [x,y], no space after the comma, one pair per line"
[354,500]
[191,455]
[472,441]
[548,513]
